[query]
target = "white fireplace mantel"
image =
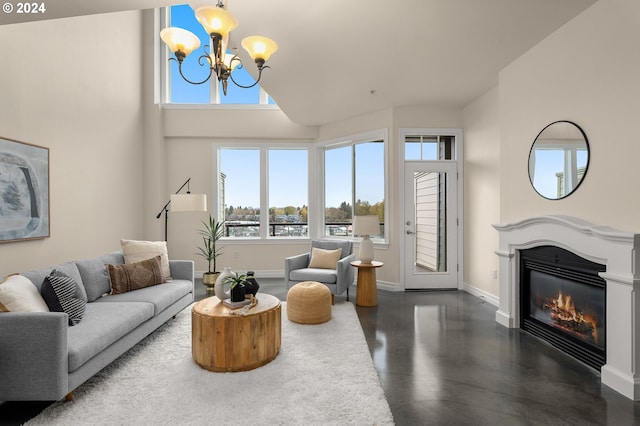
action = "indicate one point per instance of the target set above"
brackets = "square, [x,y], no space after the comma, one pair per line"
[618,250]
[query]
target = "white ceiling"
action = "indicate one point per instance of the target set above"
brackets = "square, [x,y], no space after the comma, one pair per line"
[340,59]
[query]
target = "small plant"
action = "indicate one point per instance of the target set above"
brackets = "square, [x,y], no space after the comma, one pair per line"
[234,280]
[212,232]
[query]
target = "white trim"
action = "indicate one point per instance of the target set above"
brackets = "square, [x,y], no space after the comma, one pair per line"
[481,294]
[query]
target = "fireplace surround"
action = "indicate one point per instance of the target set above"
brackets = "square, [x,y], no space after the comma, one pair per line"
[616,250]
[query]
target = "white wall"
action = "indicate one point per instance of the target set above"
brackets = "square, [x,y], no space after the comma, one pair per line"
[588,72]
[481,191]
[67,86]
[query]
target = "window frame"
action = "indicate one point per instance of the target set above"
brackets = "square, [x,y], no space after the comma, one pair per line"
[263,147]
[321,146]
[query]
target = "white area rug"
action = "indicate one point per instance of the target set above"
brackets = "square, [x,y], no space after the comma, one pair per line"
[322,375]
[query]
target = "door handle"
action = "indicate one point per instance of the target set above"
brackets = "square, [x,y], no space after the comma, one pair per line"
[410,232]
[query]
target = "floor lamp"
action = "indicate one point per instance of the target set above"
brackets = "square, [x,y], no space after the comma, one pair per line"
[183,203]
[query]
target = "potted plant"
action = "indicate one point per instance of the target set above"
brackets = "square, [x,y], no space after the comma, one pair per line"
[211,233]
[236,285]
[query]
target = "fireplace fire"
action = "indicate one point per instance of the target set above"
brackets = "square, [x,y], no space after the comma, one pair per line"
[563,302]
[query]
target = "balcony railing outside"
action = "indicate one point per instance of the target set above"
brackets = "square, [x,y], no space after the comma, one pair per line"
[251,229]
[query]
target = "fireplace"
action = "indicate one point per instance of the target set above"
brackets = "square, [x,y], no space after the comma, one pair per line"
[619,335]
[562,301]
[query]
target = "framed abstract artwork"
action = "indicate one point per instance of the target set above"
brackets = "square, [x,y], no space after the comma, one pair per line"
[24,191]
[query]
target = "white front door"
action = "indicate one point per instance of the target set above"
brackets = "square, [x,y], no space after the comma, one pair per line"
[430,225]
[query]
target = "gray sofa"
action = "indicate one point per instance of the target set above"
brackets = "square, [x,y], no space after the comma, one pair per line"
[42,358]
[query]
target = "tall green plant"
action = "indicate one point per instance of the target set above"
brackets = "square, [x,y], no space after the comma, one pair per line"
[211,233]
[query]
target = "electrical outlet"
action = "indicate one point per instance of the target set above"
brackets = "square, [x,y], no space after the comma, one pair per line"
[494,274]
[235,255]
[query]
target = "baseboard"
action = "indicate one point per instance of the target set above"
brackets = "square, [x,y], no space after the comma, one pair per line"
[388,286]
[481,294]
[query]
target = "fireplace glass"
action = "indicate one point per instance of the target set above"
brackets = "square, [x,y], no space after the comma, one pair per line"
[563,302]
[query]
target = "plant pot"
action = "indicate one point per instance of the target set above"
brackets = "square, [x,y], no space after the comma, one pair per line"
[237,293]
[209,281]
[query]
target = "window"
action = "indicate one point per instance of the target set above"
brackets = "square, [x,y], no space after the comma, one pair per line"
[179,91]
[246,188]
[354,184]
[429,147]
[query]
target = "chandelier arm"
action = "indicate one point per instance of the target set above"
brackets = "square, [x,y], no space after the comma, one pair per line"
[186,79]
[250,86]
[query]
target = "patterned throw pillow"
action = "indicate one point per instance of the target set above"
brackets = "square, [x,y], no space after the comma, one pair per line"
[136,251]
[63,294]
[134,276]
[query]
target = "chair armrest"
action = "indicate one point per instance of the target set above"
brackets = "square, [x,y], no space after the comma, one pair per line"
[292,263]
[182,269]
[345,273]
[33,356]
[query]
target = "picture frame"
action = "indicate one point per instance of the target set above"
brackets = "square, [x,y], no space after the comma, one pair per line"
[24,191]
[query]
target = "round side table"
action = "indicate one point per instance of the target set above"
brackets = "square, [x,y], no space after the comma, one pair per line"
[367,291]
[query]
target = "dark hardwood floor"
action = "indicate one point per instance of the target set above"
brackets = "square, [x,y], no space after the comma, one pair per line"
[443,360]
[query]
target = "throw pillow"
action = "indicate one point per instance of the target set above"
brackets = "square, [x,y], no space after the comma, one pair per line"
[63,294]
[19,294]
[324,259]
[134,276]
[136,251]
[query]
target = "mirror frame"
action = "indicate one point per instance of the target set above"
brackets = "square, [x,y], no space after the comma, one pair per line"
[586,168]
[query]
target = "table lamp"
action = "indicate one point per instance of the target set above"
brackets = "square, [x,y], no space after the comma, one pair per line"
[365,226]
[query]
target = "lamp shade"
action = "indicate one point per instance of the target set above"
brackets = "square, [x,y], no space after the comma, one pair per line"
[179,39]
[366,225]
[188,202]
[216,20]
[259,47]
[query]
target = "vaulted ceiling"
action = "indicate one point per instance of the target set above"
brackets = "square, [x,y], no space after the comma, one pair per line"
[340,59]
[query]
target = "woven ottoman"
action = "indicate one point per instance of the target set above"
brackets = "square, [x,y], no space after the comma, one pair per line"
[309,302]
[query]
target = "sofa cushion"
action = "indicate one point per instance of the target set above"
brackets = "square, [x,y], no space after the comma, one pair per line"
[134,276]
[18,294]
[94,274]
[324,259]
[160,296]
[63,294]
[135,251]
[312,274]
[103,324]
[69,269]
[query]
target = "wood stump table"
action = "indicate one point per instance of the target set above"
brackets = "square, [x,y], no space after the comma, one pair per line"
[224,341]
[367,291]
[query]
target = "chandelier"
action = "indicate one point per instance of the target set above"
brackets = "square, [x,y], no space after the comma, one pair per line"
[218,23]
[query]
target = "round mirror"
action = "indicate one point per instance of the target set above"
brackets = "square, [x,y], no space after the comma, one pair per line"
[558,160]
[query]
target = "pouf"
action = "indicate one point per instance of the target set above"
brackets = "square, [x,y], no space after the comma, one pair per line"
[309,302]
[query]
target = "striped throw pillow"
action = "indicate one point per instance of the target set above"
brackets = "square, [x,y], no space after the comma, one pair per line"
[63,294]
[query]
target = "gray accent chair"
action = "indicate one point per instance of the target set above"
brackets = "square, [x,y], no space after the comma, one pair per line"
[296,268]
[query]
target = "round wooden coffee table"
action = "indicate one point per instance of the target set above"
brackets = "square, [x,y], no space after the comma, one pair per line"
[224,341]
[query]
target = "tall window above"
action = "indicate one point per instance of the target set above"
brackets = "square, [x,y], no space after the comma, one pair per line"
[178,91]
[267,179]
[354,184]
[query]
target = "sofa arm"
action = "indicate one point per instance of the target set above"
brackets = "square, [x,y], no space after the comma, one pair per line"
[33,356]
[182,269]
